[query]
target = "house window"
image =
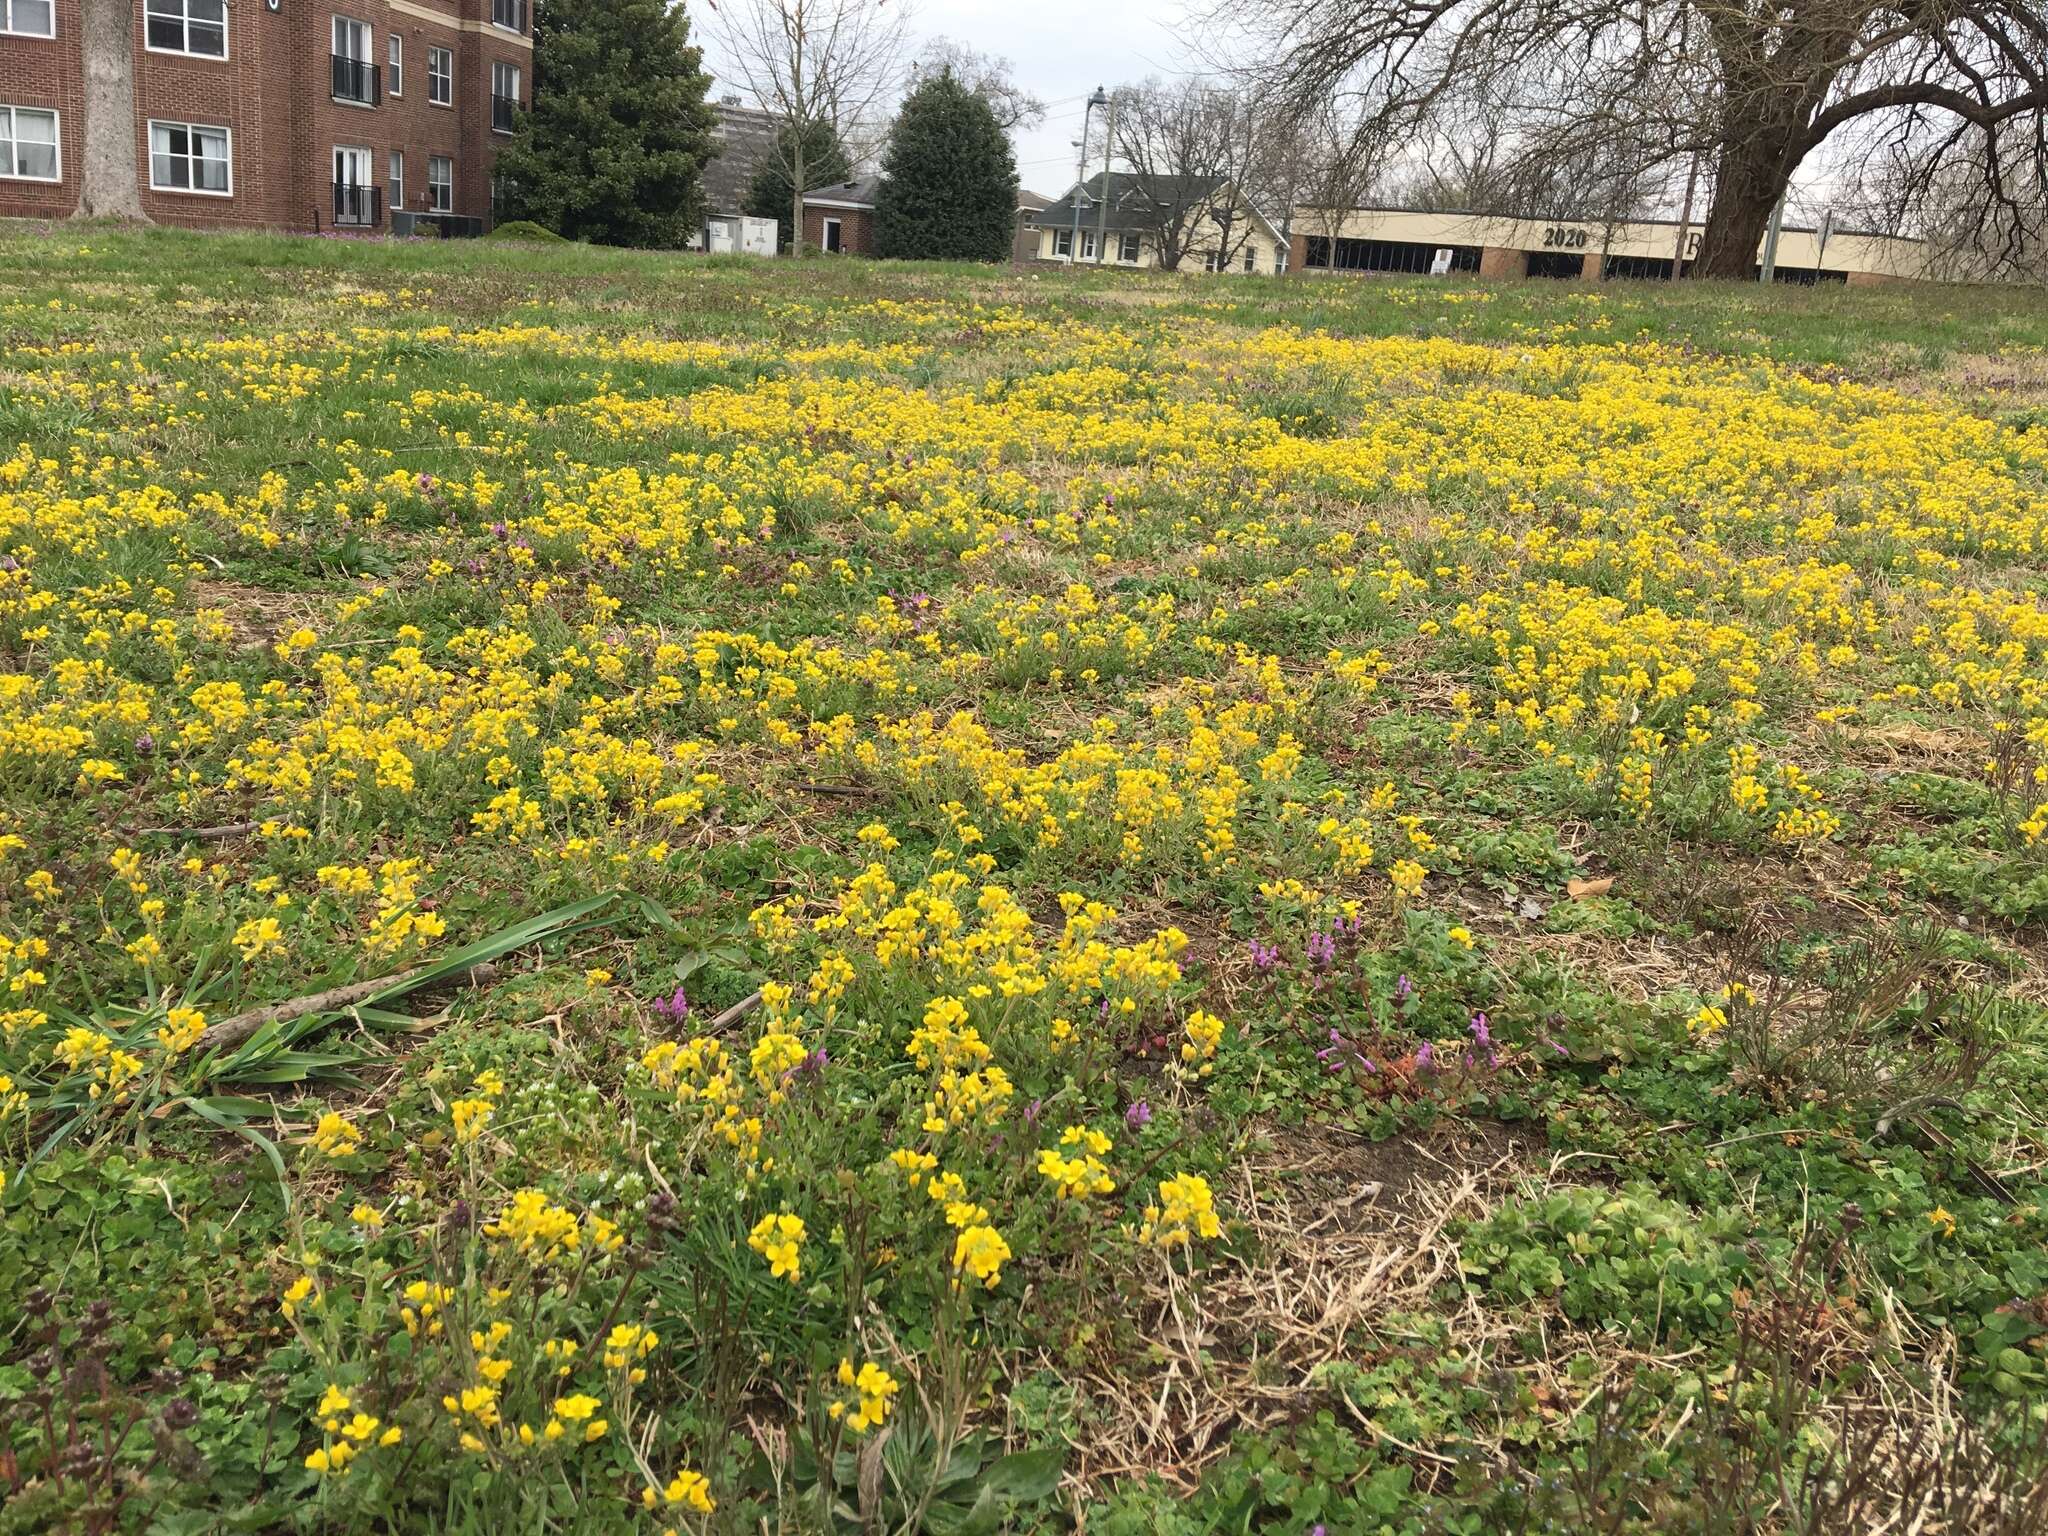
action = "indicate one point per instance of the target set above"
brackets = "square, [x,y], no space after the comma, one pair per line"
[1127,250]
[504,97]
[1063,242]
[29,18]
[440,183]
[189,157]
[355,77]
[1213,262]
[1251,260]
[398,178]
[28,144]
[186,26]
[397,71]
[1087,245]
[440,77]
[832,241]
[509,14]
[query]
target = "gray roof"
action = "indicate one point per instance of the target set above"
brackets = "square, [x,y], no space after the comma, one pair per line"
[745,137]
[860,192]
[1030,202]
[1131,197]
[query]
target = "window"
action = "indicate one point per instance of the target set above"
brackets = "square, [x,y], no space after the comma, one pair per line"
[398,178]
[1063,242]
[189,157]
[355,77]
[397,72]
[28,144]
[1251,260]
[29,18]
[440,76]
[504,97]
[1087,245]
[509,14]
[440,183]
[186,26]
[1127,250]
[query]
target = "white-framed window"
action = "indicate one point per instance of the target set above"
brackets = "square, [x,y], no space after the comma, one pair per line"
[29,18]
[1213,262]
[440,77]
[441,183]
[198,27]
[509,14]
[1063,242]
[28,145]
[190,157]
[1127,250]
[1087,245]
[394,80]
[398,178]
[1251,259]
[505,84]
[352,39]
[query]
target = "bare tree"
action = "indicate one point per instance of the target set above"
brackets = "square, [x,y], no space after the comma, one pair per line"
[110,185]
[806,62]
[1193,149]
[989,77]
[1753,88]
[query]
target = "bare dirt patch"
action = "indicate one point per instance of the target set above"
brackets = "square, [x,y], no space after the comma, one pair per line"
[1337,1232]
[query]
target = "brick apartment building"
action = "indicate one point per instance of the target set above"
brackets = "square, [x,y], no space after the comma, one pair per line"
[279,114]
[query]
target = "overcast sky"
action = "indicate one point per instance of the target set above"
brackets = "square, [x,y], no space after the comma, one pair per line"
[1060,50]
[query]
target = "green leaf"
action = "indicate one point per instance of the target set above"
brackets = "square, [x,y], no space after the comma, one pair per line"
[1026,1476]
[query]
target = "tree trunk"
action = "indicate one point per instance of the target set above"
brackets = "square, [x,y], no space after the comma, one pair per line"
[796,192]
[109,186]
[1751,173]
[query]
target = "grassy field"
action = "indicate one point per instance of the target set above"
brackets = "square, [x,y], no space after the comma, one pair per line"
[911,899]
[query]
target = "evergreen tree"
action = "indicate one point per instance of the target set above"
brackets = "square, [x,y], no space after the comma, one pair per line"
[825,164]
[949,179]
[614,148]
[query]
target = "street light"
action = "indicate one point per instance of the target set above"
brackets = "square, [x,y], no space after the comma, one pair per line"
[1099,99]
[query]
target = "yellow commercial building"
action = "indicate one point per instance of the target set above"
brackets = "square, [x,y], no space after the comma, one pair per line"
[1366,240]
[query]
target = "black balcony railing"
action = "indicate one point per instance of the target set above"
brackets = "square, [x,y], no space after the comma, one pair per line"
[355,80]
[504,113]
[358,207]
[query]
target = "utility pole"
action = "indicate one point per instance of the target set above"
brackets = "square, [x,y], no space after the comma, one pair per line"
[1102,206]
[1099,99]
[1770,265]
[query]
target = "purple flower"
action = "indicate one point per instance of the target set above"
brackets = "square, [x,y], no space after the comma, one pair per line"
[1138,1116]
[1265,956]
[426,481]
[1425,1055]
[1322,949]
[499,531]
[676,1006]
[1033,1110]
[1482,1031]
[1404,989]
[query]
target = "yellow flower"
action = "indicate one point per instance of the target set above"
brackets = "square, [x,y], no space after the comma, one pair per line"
[181,1030]
[576,1407]
[258,937]
[470,1116]
[335,1136]
[1186,1210]
[1942,1221]
[778,1239]
[980,1251]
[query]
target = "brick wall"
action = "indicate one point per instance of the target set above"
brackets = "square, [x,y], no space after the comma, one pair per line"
[274,93]
[47,73]
[856,229]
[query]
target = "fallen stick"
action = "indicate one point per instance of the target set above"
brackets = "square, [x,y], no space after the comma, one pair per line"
[735,1013]
[233,1031]
[203,834]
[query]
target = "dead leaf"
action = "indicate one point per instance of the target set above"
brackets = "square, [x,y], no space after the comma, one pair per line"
[1579,890]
